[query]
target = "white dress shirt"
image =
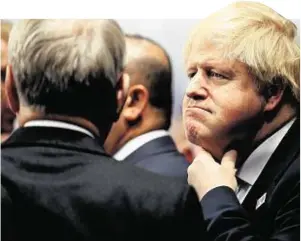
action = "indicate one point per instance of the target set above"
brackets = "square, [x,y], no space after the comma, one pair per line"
[57,124]
[253,166]
[137,142]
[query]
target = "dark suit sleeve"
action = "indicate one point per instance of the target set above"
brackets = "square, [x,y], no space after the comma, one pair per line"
[227,220]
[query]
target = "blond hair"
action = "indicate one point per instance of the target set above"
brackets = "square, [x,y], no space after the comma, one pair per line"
[49,56]
[5,30]
[258,36]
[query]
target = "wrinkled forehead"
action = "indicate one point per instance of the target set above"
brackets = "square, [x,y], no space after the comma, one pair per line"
[204,50]
[208,47]
[201,50]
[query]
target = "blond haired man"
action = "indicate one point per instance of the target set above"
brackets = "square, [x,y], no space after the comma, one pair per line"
[243,96]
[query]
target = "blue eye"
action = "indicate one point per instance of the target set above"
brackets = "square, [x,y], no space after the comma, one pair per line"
[213,74]
[191,75]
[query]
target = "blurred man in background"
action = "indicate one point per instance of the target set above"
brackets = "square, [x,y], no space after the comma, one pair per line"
[140,135]
[244,94]
[65,83]
[7,116]
[177,133]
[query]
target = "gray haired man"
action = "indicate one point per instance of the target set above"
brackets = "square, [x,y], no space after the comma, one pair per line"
[65,83]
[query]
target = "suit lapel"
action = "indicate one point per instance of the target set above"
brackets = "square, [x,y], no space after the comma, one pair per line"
[277,164]
[159,145]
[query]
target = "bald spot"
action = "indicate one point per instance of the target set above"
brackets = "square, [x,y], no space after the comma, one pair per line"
[142,49]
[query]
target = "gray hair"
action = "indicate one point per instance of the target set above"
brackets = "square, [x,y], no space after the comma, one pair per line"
[50,56]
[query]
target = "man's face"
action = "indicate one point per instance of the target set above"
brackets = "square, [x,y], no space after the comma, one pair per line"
[118,129]
[115,135]
[7,116]
[132,109]
[221,104]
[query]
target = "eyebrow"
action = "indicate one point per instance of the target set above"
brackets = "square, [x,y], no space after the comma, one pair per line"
[202,62]
[222,65]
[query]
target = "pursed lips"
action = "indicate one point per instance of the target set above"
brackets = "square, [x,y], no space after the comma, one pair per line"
[198,108]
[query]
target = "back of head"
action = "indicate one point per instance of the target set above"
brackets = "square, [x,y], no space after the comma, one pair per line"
[272,54]
[67,67]
[153,63]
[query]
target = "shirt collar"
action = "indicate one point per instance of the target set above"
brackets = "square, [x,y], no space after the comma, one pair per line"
[253,166]
[57,124]
[137,142]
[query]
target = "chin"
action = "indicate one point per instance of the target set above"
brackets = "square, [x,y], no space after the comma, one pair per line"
[195,130]
[200,135]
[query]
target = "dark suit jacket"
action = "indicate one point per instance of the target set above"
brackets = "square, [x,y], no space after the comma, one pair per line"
[160,156]
[6,215]
[63,186]
[278,218]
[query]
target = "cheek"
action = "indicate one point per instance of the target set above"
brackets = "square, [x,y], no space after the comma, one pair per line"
[113,137]
[240,108]
[117,128]
[114,132]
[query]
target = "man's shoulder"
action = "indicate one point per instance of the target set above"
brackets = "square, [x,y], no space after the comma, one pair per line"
[169,160]
[286,184]
[116,184]
[291,174]
[161,147]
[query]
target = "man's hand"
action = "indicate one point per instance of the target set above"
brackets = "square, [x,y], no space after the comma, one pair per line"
[204,173]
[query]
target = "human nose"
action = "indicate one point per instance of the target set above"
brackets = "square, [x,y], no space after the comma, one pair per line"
[197,88]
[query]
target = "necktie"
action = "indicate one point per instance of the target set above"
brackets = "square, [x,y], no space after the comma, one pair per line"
[240,184]
[242,188]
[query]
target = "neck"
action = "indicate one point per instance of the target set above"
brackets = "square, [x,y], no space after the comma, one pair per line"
[245,144]
[283,116]
[25,115]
